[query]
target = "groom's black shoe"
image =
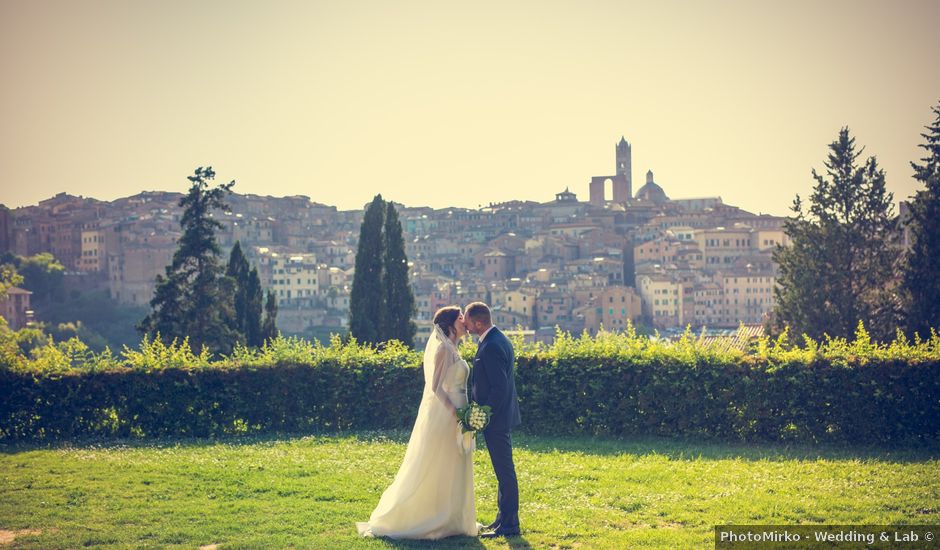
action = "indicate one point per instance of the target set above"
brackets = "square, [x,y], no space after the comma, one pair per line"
[493,525]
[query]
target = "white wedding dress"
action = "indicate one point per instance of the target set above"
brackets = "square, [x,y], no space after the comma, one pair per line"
[432,494]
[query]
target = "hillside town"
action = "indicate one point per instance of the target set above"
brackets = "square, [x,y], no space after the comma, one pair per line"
[620,256]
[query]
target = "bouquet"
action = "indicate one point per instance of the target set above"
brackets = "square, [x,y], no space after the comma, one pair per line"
[474,417]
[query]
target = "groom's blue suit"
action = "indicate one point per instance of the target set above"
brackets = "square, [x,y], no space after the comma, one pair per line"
[494,384]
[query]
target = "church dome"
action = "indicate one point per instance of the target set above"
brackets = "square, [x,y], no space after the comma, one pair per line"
[651,191]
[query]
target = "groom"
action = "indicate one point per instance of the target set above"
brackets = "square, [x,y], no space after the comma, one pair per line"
[494,385]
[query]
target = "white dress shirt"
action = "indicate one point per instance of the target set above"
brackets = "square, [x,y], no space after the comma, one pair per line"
[487,331]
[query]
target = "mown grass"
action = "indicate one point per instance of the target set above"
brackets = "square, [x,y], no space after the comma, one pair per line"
[307,491]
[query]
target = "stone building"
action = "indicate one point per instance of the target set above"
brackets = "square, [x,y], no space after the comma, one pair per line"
[14,307]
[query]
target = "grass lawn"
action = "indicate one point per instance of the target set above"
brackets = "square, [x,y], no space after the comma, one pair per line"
[307,492]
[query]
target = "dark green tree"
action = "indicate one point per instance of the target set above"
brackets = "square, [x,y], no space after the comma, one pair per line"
[237,271]
[366,299]
[168,312]
[193,298]
[839,268]
[399,298]
[269,325]
[255,303]
[921,277]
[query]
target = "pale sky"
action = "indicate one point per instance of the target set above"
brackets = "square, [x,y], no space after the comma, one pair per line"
[458,104]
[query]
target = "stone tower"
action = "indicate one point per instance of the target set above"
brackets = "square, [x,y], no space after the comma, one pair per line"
[623,186]
[622,182]
[624,167]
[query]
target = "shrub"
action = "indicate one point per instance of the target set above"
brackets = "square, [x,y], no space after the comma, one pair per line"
[858,392]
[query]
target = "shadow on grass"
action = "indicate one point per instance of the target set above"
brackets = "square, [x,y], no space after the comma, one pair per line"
[515,543]
[450,542]
[671,448]
[710,449]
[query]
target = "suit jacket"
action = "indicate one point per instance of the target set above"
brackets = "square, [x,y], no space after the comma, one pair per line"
[494,381]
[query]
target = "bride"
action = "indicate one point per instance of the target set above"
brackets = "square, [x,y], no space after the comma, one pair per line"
[432,494]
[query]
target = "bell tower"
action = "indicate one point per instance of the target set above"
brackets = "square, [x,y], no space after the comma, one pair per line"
[623,184]
[624,162]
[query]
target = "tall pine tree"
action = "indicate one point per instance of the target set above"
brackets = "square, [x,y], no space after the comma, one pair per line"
[399,298]
[191,300]
[366,299]
[921,278]
[839,268]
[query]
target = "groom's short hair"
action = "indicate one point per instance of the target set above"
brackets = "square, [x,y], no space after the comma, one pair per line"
[478,311]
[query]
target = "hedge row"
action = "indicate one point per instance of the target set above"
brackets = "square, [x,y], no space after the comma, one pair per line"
[859,393]
[747,400]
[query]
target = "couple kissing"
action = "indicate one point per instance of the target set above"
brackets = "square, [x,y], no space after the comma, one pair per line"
[432,495]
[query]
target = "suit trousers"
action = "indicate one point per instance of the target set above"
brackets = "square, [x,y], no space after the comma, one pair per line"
[499,445]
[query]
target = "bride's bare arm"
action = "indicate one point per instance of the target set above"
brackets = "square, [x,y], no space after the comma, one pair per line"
[437,384]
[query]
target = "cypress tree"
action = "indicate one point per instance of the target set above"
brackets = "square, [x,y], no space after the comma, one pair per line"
[254,306]
[921,278]
[366,299]
[269,326]
[840,266]
[237,271]
[399,297]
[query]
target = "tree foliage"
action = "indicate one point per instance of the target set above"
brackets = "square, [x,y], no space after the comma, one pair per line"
[381,304]
[254,296]
[840,267]
[248,302]
[399,298]
[40,274]
[193,299]
[237,271]
[921,280]
[269,325]
[9,278]
[366,299]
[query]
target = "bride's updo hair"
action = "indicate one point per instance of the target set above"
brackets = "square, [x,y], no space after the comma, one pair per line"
[446,317]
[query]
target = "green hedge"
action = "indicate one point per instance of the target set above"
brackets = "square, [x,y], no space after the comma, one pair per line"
[614,384]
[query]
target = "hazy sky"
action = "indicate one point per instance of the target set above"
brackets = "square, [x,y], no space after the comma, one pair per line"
[458,104]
